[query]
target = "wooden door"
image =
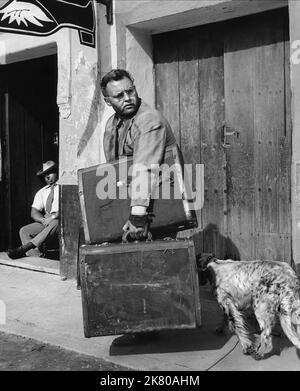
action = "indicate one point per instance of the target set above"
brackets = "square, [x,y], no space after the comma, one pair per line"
[29,138]
[225,90]
[257,116]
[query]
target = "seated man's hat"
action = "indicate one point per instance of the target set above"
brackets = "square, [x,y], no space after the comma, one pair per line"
[48,166]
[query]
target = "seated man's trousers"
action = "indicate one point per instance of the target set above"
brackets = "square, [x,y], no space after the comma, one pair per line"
[38,234]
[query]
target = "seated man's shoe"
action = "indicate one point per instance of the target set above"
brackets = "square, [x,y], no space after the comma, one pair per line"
[16,253]
[20,252]
[136,339]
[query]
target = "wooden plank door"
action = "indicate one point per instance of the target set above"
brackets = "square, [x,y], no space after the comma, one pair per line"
[238,135]
[189,91]
[30,121]
[258,136]
[225,90]
[211,113]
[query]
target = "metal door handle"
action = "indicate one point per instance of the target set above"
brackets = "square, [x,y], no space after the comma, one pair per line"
[226,132]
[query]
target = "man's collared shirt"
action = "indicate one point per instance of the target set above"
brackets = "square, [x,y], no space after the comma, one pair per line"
[145,136]
[41,196]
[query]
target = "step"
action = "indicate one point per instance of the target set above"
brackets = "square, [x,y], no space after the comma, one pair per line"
[43,265]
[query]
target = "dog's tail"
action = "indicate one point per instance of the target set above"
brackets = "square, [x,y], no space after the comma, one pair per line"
[290,322]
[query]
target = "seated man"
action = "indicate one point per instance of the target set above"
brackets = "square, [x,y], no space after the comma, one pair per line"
[44,212]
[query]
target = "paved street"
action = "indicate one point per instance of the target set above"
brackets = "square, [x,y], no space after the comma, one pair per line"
[41,307]
[25,354]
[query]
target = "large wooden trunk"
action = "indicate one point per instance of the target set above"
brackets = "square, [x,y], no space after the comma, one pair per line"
[103,219]
[139,287]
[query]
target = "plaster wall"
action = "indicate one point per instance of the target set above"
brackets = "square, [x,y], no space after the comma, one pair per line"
[82,118]
[164,15]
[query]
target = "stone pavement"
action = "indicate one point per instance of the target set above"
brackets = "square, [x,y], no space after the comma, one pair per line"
[42,306]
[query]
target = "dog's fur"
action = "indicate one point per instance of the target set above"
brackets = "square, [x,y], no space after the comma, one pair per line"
[271,289]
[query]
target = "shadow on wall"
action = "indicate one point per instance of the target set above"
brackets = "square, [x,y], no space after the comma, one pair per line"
[210,240]
[97,103]
[93,118]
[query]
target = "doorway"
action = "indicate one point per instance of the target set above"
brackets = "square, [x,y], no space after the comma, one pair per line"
[225,88]
[29,137]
